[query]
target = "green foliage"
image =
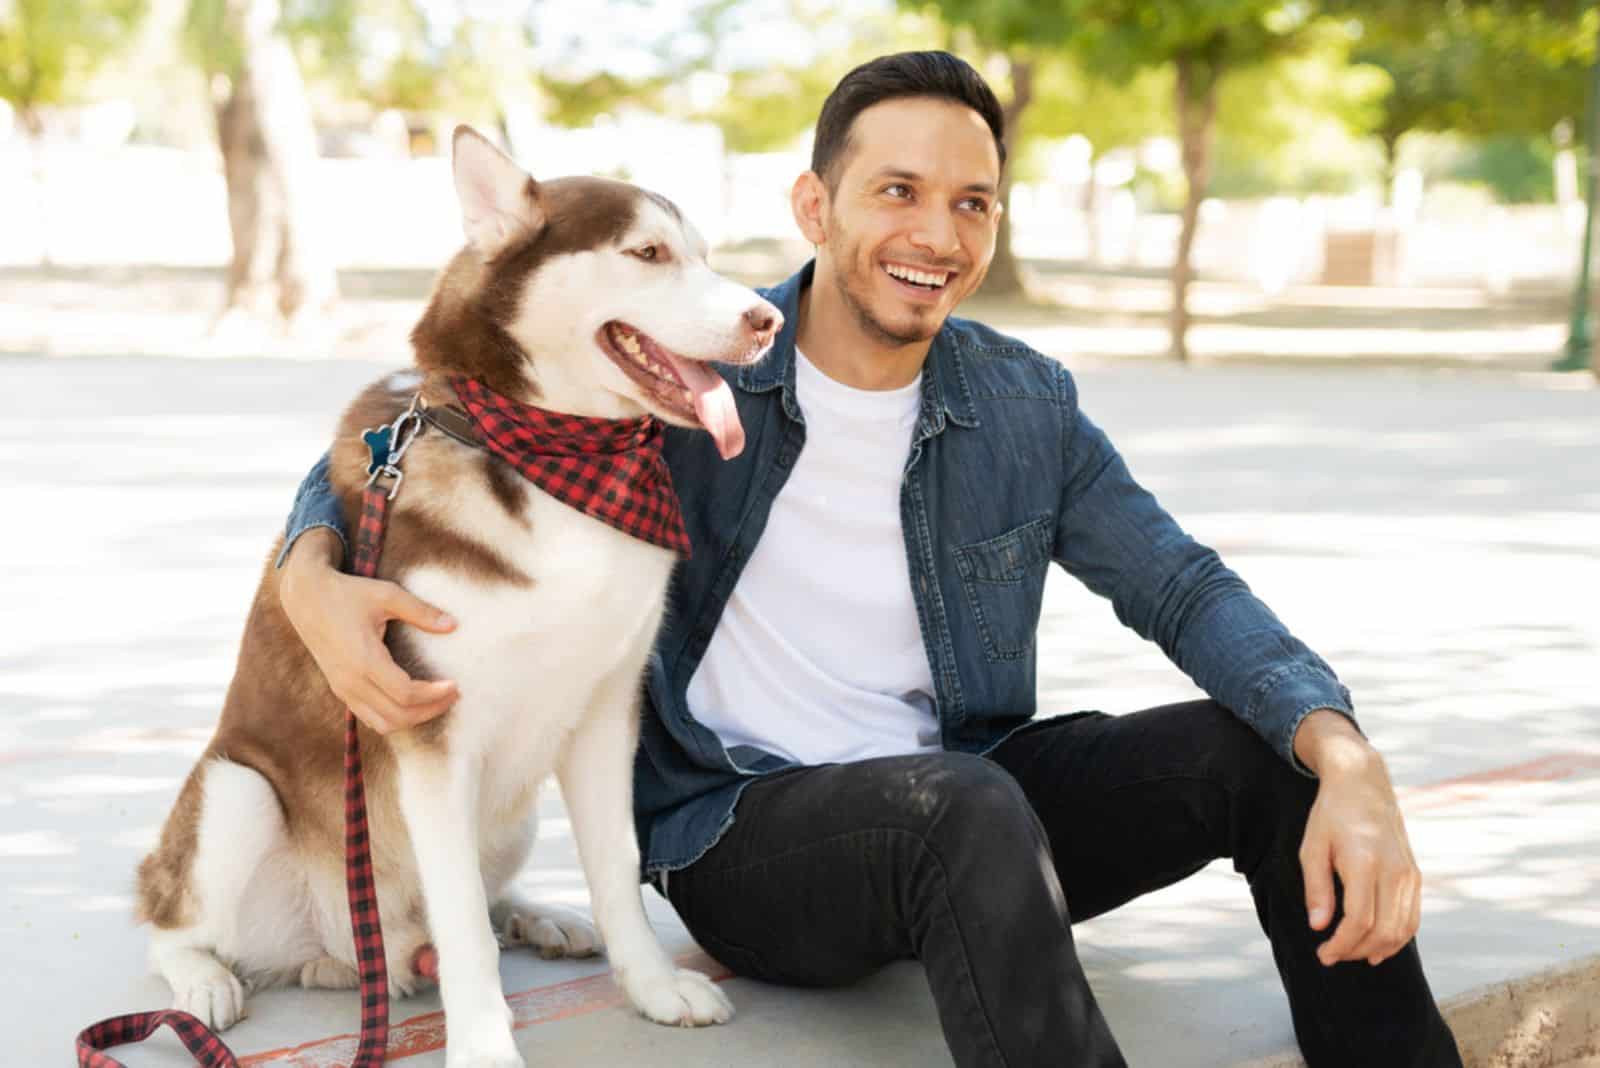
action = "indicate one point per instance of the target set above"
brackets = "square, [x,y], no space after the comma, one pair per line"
[1119,37]
[1285,124]
[768,109]
[50,48]
[1518,170]
[1069,99]
[580,101]
[1482,68]
[324,31]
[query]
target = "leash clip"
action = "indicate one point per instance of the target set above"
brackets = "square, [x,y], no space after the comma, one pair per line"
[388,445]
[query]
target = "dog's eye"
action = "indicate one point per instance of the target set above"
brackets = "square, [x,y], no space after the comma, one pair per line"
[648,253]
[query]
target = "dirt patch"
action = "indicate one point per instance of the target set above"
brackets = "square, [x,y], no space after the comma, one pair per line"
[1548,1020]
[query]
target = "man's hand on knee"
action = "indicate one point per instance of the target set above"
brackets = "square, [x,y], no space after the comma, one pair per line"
[1356,832]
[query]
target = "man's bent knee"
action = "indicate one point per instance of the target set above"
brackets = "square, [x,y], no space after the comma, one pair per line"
[970,818]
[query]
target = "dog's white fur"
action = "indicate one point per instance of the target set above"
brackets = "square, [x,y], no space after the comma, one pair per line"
[549,677]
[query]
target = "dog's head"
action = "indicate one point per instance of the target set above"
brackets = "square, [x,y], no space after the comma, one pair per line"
[589,296]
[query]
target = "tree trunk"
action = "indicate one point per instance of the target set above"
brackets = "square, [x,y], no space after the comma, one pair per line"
[1090,205]
[1391,163]
[1004,277]
[32,123]
[1197,112]
[268,151]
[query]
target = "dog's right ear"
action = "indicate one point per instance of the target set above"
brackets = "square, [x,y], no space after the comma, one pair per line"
[499,200]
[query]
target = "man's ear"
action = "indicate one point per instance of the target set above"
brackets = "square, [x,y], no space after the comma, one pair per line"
[808,199]
[499,200]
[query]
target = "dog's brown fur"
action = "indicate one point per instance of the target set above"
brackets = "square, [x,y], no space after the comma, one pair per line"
[280,718]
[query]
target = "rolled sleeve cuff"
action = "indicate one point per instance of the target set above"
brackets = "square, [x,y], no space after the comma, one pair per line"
[1287,698]
[294,535]
[315,505]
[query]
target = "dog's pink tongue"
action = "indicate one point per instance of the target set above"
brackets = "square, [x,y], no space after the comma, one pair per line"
[714,404]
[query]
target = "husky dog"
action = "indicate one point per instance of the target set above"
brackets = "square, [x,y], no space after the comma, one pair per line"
[579,295]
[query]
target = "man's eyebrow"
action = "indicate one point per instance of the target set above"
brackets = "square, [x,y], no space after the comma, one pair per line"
[987,188]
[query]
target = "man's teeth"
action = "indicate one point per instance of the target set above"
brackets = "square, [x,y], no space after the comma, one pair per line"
[921,278]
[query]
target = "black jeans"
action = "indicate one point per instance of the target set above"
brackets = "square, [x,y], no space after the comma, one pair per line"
[978,866]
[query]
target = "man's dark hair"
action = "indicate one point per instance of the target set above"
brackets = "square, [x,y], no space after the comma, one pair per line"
[929,74]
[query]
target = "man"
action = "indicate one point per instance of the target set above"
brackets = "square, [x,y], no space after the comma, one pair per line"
[839,765]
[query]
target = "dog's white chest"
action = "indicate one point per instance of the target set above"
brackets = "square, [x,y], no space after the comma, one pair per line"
[590,608]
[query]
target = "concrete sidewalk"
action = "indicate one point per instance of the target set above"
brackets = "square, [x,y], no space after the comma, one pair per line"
[1435,536]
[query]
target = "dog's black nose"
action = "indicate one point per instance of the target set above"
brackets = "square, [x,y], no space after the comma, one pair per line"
[764,321]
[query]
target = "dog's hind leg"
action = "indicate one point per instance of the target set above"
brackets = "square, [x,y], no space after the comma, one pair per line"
[551,930]
[327,973]
[194,887]
[518,920]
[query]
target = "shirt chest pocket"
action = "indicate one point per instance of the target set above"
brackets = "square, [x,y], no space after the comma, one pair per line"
[1003,578]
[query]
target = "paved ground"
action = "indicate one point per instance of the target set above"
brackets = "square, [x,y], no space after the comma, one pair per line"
[1435,535]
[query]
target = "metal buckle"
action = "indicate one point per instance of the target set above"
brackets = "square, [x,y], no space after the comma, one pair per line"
[401,433]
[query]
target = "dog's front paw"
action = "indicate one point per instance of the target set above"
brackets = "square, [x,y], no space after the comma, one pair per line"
[215,997]
[550,929]
[681,998]
[485,1044]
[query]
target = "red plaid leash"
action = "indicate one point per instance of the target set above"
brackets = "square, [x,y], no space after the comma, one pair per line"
[207,1048]
[611,469]
[360,885]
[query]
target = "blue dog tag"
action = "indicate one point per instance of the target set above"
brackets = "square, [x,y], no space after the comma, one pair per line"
[378,445]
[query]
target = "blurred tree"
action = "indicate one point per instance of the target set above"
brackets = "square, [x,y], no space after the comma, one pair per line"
[1295,121]
[1492,69]
[49,49]
[1110,115]
[268,147]
[1425,82]
[1202,43]
[1022,34]
[1519,170]
[770,107]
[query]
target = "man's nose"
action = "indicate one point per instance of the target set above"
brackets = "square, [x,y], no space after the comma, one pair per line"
[935,232]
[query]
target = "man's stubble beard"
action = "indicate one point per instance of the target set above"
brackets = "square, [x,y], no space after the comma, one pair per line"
[871,323]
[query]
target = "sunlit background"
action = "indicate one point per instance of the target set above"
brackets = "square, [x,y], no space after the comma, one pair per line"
[1344,143]
[220,218]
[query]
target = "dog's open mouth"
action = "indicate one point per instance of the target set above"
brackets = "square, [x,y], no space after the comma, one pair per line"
[690,389]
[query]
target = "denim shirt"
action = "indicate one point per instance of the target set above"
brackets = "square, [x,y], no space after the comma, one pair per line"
[1005,474]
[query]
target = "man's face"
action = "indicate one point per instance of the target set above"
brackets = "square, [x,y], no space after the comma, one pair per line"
[913,219]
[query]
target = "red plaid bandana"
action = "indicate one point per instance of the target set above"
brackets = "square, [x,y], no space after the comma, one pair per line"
[610,469]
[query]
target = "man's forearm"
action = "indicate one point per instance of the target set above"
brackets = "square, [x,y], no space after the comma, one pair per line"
[318,547]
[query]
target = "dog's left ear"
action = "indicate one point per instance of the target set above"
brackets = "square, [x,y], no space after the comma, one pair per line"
[499,200]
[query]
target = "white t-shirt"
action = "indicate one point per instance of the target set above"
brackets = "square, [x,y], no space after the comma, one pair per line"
[818,656]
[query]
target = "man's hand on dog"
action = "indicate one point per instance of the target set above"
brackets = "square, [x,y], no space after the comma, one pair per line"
[1356,830]
[341,619]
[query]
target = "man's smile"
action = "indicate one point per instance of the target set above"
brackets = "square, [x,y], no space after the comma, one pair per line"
[920,283]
